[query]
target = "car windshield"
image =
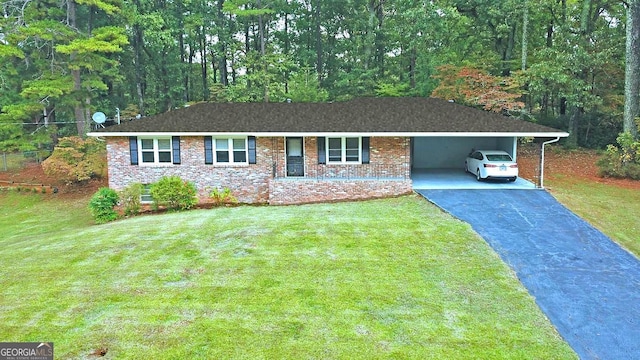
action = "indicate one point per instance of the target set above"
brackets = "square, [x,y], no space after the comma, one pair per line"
[498,157]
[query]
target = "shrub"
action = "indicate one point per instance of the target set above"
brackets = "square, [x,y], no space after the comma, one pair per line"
[174,193]
[130,198]
[76,160]
[621,160]
[222,197]
[102,203]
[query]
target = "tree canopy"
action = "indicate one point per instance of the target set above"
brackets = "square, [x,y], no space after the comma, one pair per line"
[557,62]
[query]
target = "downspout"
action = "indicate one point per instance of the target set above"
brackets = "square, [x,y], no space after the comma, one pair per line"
[541,185]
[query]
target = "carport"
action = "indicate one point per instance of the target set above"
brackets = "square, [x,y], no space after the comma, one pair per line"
[437,160]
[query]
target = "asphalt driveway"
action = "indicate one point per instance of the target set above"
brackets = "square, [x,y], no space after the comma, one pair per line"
[587,285]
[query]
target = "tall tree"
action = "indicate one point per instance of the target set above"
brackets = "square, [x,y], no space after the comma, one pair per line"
[632,69]
[67,54]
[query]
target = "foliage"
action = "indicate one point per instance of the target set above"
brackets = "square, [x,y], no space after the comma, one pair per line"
[130,198]
[392,90]
[76,160]
[222,197]
[564,65]
[305,87]
[623,160]
[102,205]
[174,193]
[471,86]
[64,55]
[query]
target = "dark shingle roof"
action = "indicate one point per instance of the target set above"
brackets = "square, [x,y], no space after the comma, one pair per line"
[365,115]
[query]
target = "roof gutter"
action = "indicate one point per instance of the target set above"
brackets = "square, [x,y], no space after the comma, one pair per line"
[541,185]
[326,133]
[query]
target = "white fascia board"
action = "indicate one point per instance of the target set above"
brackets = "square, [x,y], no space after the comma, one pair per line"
[372,134]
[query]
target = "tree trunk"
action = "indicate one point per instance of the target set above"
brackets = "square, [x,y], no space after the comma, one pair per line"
[585,24]
[507,55]
[222,48]
[286,45]
[574,122]
[319,62]
[632,70]
[139,68]
[78,110]
[412,67]
[204,66]
[262,51]
[380,38]
[370,39]
[525,36]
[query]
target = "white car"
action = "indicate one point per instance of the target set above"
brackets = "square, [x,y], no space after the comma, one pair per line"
[491,164]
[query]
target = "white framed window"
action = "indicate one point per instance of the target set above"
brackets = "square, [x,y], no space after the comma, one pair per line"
[344,150]
[155,151]
[230,150]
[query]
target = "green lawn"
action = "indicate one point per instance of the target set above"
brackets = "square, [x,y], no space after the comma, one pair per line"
[613,210]
[393,278]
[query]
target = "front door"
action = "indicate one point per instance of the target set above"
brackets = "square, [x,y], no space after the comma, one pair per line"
[295,156]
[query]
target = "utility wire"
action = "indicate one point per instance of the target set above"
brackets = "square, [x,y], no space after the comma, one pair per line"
[54,122]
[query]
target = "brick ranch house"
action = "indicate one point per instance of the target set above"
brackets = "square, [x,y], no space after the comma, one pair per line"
[288,153]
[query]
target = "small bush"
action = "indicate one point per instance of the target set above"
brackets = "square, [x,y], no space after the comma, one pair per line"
[130,198]
[174,193]
[102,203]
[621,160]
[76,160]
[222,197]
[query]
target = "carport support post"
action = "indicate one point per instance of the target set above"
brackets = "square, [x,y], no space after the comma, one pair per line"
[541,178]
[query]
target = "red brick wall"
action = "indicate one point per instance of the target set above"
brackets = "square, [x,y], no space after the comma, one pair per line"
[248,183]
[299,191]
[254,183]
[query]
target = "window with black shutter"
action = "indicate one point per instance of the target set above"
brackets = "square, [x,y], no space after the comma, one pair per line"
[133,149]
[365,150]
[251,145]
[175,147]
[322,155]
[208,150]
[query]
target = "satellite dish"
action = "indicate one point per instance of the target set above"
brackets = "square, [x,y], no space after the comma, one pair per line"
[99,117]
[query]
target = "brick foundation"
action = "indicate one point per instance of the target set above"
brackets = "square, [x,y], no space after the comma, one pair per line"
[388,173]
[286,191]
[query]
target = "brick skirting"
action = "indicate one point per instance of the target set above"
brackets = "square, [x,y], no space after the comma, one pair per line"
[299,191]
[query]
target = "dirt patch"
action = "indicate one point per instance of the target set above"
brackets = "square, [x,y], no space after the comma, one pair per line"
[33,174]
[565,165]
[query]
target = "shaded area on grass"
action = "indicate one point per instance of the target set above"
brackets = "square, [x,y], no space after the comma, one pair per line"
[374,279]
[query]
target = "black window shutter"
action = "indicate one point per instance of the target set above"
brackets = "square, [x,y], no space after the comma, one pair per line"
[133,149]
[365,149]
[175,141]
[208,150]
[322,155]
[251,146]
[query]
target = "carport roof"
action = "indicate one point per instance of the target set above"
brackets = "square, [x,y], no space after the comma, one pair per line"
[410,116]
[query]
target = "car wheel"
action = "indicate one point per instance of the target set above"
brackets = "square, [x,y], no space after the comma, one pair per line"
[478,175]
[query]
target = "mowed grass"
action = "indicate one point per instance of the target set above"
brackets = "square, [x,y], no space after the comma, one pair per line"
[393,278]
[612,209]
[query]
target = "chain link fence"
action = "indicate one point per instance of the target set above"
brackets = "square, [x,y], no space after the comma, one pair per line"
[10,161]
